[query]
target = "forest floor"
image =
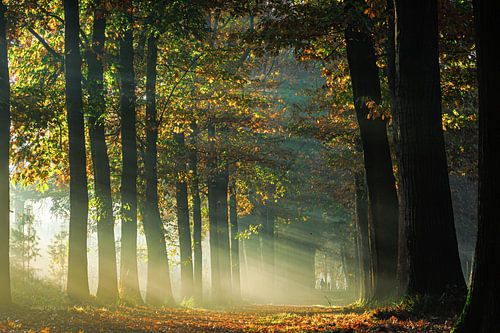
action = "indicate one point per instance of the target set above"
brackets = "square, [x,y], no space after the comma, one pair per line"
[262,318]
[41,307]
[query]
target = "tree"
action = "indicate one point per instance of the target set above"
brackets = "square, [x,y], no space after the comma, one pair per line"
[382,196]
[58,252]
[364,253]
[5,297]
[158,288]
[235,243]
[197,223]
[181,195]
[78,285]
[25,241]
[108,281]
[431,265]
[129,279]
[482,309]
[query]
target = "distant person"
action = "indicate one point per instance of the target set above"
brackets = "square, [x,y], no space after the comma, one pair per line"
[322,284]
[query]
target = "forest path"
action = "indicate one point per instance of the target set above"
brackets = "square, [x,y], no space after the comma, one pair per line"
[258,318]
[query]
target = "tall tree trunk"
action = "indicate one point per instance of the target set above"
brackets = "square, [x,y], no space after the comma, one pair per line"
[195,196]
[223,225]
[268,248]
[391,78]
[129,279]
[213,228]
[482,310]
[5,296]
[159,288]
[78,285]
[108,280]
[432,263]
[363,236]
[377,161]
[235,244]
[184,228]
[218,183]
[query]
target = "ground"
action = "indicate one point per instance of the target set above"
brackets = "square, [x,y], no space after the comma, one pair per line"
[243,319]
[42,307]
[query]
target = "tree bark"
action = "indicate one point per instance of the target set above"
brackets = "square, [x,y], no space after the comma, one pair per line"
[197,223]
[222,184]
[78,285]
[382,195]
[218,182]
[159,288]
[432,265]
[212,216]
[235,244]
[107,289]
[268,248]
[181,195]
[128,277]
[363,237]
[5,293]
[482,310]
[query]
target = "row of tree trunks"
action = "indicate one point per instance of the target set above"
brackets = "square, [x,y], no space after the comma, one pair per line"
[159,290]
[431,265]
[197,223]
[382,195]
[107,289]
[181,195]
[128,272]
[5,295]
[482,310]
[78,286]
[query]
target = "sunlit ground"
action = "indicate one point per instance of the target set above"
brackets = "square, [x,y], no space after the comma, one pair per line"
[255,318]
[42,307]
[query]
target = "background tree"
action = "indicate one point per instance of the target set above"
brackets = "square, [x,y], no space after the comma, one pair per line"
[25,242]
[58,252]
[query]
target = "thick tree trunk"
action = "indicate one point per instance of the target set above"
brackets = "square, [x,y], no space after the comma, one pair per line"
[129,280]
[5,295]
[363,237]
[159,288]
[432,263]
[78,285]
[377,161]
[108,280]
[181,195]
[195,196]
[235,244]
[482,310]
